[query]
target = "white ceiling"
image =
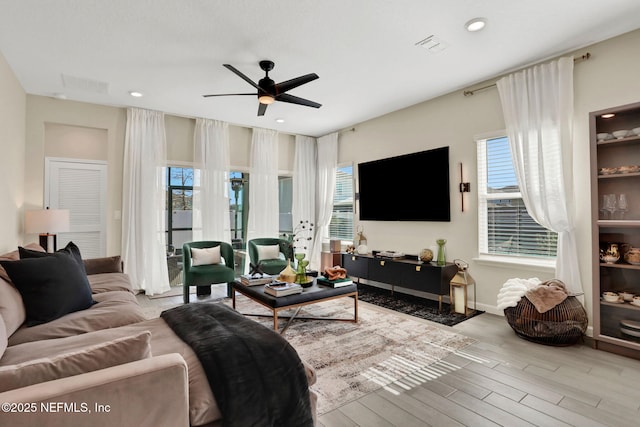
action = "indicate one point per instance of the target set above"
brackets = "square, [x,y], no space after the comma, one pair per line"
[363,50]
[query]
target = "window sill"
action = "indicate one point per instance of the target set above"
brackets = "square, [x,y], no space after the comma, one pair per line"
[533,264]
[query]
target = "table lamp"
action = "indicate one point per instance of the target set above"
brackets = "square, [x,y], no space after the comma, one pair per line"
[47,222]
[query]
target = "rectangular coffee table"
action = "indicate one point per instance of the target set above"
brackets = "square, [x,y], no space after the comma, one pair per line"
[311,295]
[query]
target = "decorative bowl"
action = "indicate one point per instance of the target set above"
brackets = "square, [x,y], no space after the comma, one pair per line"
[603,136]
[619,134]
[627,296]
[632,256]
[610,296]
[610,259]
[607,171]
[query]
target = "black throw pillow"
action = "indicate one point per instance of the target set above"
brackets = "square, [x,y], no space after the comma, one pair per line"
[71,249]
[51,286]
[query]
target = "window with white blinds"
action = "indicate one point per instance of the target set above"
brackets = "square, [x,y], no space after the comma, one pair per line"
[341,225]
[505,226]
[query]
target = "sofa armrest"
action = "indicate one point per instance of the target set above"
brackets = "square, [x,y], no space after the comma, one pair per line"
[149,392]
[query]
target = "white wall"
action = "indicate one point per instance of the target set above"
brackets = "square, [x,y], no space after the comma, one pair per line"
[12,146]
[50,122]
[608,79]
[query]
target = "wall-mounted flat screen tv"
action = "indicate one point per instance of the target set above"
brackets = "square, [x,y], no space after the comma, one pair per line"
[410,187]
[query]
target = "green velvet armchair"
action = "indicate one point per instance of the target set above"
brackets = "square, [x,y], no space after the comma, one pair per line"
[270,265]
[211,270]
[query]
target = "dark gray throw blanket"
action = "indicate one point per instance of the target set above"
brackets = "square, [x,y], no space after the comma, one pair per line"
[255,375]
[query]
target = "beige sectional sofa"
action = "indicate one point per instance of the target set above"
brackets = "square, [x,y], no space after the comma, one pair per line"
[106,365]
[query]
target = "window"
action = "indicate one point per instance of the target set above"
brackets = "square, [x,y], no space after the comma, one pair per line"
[285,204]
[505,227]
[341,225]
[179,205]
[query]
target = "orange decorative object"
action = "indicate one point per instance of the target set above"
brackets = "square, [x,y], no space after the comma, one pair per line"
[336,272]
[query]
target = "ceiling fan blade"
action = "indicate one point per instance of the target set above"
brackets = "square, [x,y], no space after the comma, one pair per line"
[229,94]
[261,109]
[242,76]
[285,97]
[293,83]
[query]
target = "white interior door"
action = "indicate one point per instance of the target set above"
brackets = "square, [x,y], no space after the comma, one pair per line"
[81,187]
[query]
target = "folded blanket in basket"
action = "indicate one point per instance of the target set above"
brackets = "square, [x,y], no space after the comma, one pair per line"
[513,290]
[547,295]
[255,375]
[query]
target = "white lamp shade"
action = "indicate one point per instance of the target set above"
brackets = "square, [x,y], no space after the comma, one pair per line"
[46,221]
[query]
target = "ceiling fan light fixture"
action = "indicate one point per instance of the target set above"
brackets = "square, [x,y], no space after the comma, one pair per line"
[476,24]
[266,99]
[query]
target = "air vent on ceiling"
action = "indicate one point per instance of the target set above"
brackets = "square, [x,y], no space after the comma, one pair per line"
[433,44]
[85,85]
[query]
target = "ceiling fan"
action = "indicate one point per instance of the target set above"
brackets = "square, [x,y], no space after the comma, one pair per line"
[270,91]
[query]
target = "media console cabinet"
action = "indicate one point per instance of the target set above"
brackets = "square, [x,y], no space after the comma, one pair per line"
[407,272]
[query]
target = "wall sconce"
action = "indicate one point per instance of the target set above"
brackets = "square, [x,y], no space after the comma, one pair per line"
[47,222]
[459,290]
[465,187]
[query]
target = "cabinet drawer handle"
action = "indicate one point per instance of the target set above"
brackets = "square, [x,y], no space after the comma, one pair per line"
[382,263]
[417,268]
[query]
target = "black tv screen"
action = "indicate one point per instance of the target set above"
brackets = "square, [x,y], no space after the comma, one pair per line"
[411,187]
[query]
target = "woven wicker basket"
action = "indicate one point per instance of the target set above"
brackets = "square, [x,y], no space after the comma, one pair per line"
[564,324]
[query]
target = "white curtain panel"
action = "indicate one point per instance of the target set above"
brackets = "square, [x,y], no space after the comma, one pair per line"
[538,112]
[304,185]
[211,220]
[326,187]
[144,201]
[263,220]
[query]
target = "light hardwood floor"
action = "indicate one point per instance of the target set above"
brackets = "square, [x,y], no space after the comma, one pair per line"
[507,381]
[500,380]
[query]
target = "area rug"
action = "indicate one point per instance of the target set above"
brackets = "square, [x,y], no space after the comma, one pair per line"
[173,292]
[354,359]
[412,305]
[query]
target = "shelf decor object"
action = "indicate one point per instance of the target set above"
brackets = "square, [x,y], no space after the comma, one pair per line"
[615,196]
[442,257]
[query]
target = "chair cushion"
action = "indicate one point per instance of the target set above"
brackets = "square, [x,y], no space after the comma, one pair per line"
[268,252]
[205,256]
[50,286]
[92,358]
[213,273]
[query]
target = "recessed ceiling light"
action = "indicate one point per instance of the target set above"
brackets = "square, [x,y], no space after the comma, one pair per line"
[280,120]
[476,24]
[607,116]
[135,93]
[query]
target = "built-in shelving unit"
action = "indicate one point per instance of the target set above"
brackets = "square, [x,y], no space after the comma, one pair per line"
[615,169]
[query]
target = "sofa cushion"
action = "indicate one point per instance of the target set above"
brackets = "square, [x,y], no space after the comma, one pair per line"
[92,358]
[50,286]
[268,252]
[11,307]
[71,249]
[107,282]
[4,341]
[111,264]
[14,256]
[113,309]
[205,256]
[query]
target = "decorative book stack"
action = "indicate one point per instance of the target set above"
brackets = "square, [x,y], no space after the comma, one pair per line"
[256,279]
[281,289]
[336,283]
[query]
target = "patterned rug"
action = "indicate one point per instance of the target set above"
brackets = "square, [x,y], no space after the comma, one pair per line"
[412,305]
[353,359]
